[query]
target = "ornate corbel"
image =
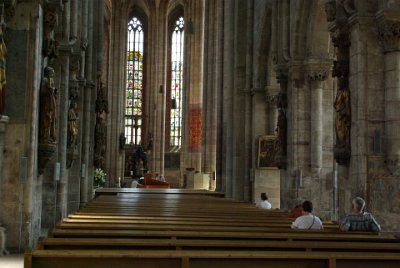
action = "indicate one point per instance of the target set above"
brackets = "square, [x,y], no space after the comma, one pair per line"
[50,45]
[330,10]
[389,35]
[348,7]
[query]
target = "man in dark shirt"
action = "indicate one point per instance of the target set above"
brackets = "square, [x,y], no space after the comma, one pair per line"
[358,220]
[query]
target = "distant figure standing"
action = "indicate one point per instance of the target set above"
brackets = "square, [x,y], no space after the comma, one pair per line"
[307,221]
[358,220]
[263,203]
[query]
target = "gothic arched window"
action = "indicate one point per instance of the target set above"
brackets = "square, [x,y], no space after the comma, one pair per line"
[176,82]
[134,83]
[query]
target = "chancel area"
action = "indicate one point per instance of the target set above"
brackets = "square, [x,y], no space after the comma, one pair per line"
[114,113]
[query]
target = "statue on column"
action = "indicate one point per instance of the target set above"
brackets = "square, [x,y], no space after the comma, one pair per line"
[48,105]
[342,114]
[281,130]
[342,106]
[3,52]
[139,163]
[72,124]
[100,127]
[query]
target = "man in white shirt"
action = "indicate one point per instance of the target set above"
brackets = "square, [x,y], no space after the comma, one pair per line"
[307,221]
[264,204]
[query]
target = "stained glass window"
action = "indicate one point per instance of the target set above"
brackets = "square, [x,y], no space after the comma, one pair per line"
[134,82]
[176,82]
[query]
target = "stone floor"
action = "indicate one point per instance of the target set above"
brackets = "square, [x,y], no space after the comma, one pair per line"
[12,261]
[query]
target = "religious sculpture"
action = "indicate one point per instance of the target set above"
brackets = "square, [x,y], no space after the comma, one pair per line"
[281,130]
[72,124]
[48,105]
[139,162]
[3,52]
[343,114]
[50,45]
[100,142]
[100,127]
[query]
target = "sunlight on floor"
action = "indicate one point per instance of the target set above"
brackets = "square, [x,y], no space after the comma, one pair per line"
[12,261]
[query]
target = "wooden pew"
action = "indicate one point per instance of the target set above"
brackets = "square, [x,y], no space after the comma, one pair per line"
[215,259]
[183,230]
[213,244]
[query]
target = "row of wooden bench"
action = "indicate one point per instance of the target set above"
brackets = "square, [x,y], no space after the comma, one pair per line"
[171,229]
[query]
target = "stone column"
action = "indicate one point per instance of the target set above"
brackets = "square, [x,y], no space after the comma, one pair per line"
[389,33]
[194,84]
[62,122]
[317,74]
[210,91]
[85,103]
[227,101]
[116,153]
[249,104]
[219,92]
[63,97]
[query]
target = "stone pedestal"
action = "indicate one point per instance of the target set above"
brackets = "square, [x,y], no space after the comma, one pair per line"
[198,181]
[268,181]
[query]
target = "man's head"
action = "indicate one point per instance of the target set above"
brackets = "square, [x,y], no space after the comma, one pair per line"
[307,206]
[358,204]
[264,196]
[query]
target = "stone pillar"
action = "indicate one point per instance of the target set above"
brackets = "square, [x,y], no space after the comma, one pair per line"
[219,92]
[193,85]
[249,104]
[63,97]
[84,107]
[317,74]
[227,101]
[116,96]
[389,33]
[209,135]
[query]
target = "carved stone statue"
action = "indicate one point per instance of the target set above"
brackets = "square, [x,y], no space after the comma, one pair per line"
[139,163]
[48,105]
[100,127]
[100,142]
[281,131]
[72,125]
[3,52]
[343,114]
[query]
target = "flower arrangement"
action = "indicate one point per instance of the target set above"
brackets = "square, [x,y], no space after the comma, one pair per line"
[99,177]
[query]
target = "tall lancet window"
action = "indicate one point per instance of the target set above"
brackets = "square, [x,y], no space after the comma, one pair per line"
[176,83]
[134,83]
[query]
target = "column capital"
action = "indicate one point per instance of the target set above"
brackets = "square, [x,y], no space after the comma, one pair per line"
[318,70]
[389,33]
[297,74]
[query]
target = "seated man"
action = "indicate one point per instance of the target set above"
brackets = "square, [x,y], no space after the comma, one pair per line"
[263,203]
[358,220]
[307,221]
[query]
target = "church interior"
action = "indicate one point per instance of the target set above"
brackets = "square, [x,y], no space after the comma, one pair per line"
[295,98]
